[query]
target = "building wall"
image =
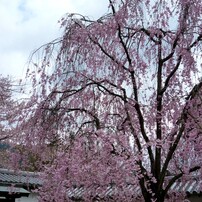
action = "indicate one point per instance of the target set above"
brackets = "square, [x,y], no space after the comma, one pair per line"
[32,198]
[195,198]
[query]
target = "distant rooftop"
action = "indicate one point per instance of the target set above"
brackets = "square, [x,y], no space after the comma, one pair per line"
[21,178]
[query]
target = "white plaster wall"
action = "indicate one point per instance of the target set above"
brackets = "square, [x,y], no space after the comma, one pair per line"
[32,198]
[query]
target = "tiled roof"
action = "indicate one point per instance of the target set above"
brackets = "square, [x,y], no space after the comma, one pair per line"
[21,178]
[191,186]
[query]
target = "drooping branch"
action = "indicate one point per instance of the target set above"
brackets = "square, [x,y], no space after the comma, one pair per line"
[172,73]
[170,155]
[159,108]
[182,122]
[141,120]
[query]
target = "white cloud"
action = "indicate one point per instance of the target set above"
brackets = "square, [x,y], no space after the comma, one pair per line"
[27,24]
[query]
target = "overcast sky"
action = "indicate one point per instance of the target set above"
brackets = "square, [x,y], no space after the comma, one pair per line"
[27,24]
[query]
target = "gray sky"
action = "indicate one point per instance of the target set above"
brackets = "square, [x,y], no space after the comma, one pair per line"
[27,24]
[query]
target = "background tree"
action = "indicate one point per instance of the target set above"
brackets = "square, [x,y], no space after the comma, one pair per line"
[8,107]
[123,95]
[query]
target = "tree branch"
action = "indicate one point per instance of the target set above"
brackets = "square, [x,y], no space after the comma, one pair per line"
[175,178]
